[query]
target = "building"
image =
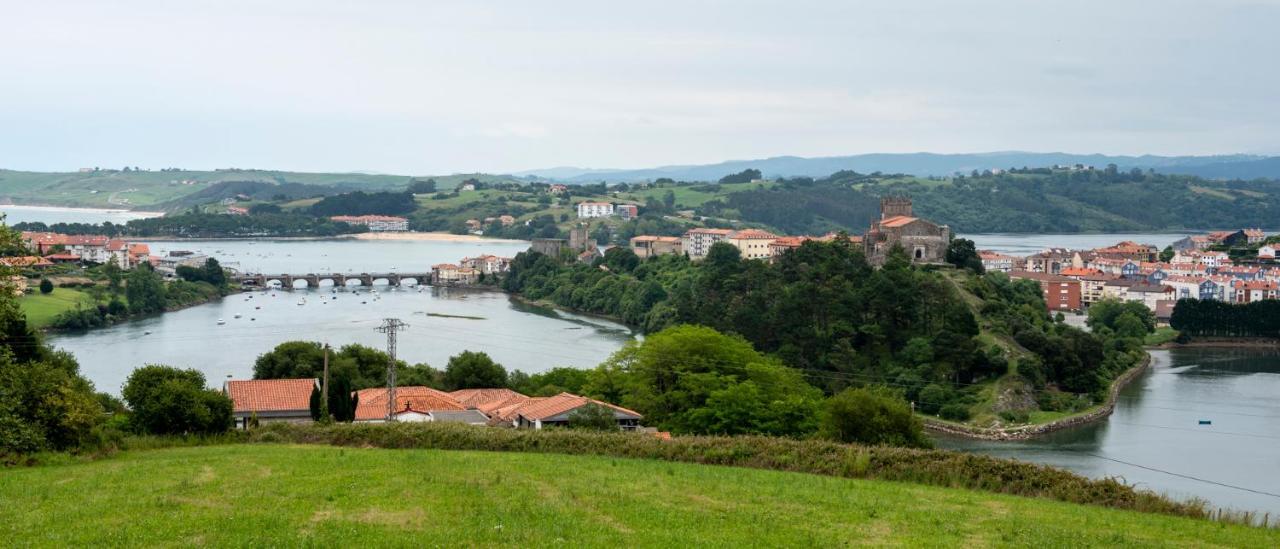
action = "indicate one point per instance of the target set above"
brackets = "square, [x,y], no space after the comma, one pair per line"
[1254,236]
[587,210]
[1060,293]
[627,211]
[536,413]
[507,220]
[1193,242]
[375,223]
[557,188]
[487,264]
[270,400]
[1249,291]
[448,274]
[646,246]
[548,246]
[237,210]
[26,262]
[1130,251]
[1054,260]
[413,403]
[997,262]
[697,242]
[752,243]
[924,241]
[1150,294]
[1267,252]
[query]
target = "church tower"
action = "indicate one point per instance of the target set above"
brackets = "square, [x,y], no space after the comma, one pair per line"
[892,206]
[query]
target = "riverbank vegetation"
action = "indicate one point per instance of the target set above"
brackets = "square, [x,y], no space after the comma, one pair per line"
[1209,318]
[208,225]
[114,295]
[281,495]
[964,346]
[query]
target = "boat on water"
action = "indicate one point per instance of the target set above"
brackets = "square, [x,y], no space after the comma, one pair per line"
[237,315]
[221,322]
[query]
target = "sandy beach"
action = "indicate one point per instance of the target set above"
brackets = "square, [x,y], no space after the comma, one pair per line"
[438,237]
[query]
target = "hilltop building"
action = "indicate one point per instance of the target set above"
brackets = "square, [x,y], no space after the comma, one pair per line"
[924,241]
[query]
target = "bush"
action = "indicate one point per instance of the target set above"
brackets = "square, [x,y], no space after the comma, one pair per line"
[955,412]
[593,417]
[167,400]
[821,457]
[872,416]
[1015,416]
[46,286]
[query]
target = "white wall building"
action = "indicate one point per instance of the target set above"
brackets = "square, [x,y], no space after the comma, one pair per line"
[594,209]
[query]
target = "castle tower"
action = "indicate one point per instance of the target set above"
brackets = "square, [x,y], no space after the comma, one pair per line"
[891,206]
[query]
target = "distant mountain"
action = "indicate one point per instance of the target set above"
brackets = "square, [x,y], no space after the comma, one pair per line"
[924,164]
[1265,168]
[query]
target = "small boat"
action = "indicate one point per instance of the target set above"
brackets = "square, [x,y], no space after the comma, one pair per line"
[237,315]
[1206,422]
[146,333]
[221,322]
[258,307]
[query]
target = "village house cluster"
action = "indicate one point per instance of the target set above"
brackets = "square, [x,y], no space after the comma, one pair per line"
[50,248]
[375,223]
[924,241]
[288,400]
[468,271]
[1072,280]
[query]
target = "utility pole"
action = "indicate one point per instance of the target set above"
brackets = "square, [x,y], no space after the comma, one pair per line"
[390,326]
[324,387]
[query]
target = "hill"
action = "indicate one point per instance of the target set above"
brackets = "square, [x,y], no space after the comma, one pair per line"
[170,189]
[921,164]
[315,495]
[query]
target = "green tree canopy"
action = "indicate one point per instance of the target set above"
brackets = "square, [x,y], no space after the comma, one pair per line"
[872,416]
[167,400]
[473,370]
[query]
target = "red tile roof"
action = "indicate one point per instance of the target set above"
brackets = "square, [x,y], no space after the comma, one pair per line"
[561,403]
[752,234]
[25,261]
[898,221]
[270,395]
[373,402]
[475,398]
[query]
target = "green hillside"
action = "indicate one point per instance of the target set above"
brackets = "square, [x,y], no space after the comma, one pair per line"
[275,495]
[140,189]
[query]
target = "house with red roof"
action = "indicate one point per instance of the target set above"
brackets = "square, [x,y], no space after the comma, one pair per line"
[270,400]
[924,241]
[413,403]
[536,413]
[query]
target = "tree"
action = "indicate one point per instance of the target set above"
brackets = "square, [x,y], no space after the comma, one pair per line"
[1107,312]
[872,416]
[593,417]
[693,379]
[962,253]
[1167,254]
[418,186]
[167,400]
[115,276]
[145,290]
[213,273]
[473,370]
[46,286]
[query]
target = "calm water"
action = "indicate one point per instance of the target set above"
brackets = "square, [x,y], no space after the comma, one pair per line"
[46,214]
[338,255]
[1156,425]
[517,336]
[1027,244]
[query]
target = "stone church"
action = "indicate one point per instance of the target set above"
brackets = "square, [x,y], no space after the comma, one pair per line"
[924,242]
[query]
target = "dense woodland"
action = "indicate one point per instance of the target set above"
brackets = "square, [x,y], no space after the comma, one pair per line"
[207,225]
[1032,200]
[824,311]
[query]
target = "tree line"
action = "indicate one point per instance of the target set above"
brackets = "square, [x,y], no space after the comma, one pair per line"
[1211,318]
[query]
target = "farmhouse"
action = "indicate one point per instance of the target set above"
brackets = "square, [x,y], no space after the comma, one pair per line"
[270,400]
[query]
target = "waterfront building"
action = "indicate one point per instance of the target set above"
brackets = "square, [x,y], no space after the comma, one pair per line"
[375,223]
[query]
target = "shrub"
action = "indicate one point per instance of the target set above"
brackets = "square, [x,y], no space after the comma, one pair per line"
[593,417]
[167,400]
[872,416]
[955,412]
[46,286]
[933,467]
[1015,416]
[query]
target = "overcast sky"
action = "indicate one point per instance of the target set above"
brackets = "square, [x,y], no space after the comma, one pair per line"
[420,87]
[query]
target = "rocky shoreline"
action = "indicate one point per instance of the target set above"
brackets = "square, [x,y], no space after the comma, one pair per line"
[1024,432]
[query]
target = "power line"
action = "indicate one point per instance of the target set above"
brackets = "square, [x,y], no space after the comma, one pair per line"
[390,326]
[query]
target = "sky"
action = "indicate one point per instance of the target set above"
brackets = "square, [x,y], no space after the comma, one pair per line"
[437,87]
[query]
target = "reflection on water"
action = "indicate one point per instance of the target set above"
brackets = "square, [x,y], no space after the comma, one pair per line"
[257,322]
[1157,425]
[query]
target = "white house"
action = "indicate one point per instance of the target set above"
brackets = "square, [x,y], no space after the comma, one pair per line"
[1267,252]
[594,209]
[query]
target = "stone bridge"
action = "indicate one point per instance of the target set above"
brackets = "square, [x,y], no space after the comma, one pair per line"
[313,280]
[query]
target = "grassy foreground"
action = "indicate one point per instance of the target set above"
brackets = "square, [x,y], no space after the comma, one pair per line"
[42,308]
[269,494]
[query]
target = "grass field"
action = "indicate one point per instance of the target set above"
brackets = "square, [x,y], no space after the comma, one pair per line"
[41,308]
[317,495]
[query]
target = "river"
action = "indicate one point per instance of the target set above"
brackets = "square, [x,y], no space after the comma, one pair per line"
[52,214]
[1156,425]
[1155,428]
